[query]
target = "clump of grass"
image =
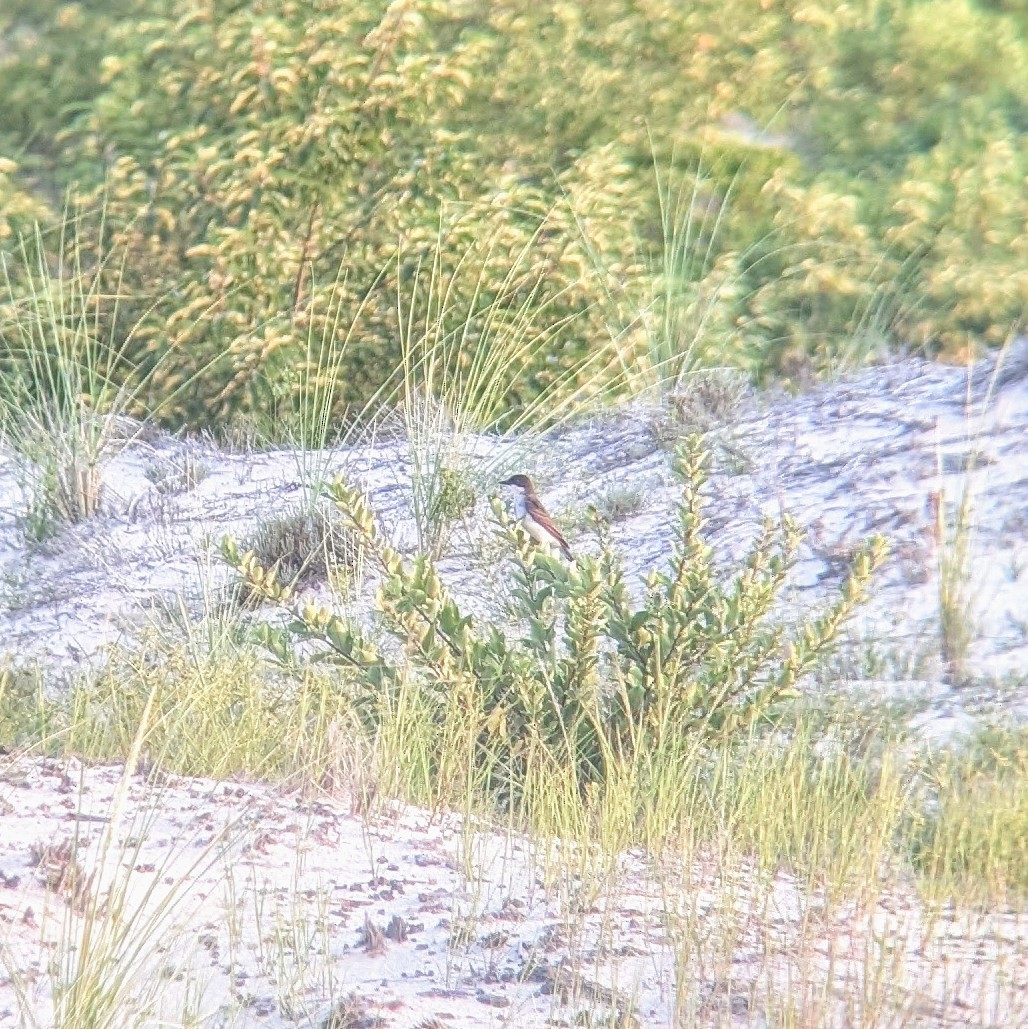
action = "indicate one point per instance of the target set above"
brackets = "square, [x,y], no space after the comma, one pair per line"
[464,359]
[351,1012]
[443,488]
[954,526]
[65,379]
[55,396]
[57,864]
[969,834]
[217,712]
[307,546]
[613,504]
[828,813]
[676,323]
[620,502]
[954,539]
[177,474]
[706,398]
[28,715]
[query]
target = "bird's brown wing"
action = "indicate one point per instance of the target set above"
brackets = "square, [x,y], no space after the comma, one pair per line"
[540,515]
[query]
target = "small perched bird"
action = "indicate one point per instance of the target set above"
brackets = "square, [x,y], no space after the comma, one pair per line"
[534,518]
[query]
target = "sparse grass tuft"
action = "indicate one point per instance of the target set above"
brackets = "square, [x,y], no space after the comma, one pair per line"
[307,546]
[177,474]
[955,528]
[954,531]
[66,385]
[620,502]
[707,398]
[349,1013]
[613,504]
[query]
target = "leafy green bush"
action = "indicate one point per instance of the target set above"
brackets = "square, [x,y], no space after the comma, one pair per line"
[19,208]
[307,166]
[588,679]
[846,177]
[51,69]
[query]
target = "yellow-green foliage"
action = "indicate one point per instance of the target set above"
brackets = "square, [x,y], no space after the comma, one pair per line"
[50,56]
[310,150]
[844,174]
[215,710]
[972,834]
[19,208]
[588,680]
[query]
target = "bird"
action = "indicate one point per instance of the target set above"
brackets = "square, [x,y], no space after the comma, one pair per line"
[534,518]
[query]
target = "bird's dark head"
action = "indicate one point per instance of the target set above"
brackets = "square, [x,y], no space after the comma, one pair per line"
[520,481]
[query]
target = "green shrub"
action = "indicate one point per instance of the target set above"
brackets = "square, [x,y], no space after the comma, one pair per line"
[51,70]
[308,153]
[19,208]
[846,178]
[587,680]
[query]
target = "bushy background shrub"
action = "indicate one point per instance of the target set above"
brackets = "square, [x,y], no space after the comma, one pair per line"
[798,183]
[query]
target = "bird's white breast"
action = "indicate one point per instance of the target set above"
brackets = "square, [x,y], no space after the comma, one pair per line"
[536,531]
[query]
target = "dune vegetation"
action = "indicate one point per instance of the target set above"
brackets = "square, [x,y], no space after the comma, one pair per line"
[786,188]
[306,223]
